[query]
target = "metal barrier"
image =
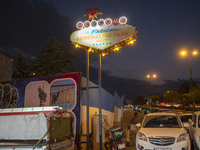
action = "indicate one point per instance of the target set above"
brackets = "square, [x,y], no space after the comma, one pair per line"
[9,96]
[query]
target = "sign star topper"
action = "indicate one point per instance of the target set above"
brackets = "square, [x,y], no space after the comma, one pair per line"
[93,13]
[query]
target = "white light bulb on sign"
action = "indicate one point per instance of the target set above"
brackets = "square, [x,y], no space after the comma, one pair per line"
[79,25]
[86,24]
[108,22]
[101,22]
[123,20]
[94,23]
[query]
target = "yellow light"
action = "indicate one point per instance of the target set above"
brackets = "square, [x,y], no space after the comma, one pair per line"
[117,48]
[183,53]
[76,45]
[154,75]
[33,73]
[103,54]
[194,52]
[89,50]
[148,76]
[131,42]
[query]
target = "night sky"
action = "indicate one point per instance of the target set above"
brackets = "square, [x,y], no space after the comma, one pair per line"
[164,28]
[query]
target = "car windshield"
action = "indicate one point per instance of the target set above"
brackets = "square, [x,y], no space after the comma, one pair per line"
[164,121]
[185,118]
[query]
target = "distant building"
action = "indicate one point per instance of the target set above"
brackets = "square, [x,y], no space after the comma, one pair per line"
[6,65]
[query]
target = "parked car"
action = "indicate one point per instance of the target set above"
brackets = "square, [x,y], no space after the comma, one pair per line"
[162,131]
[153,109]
[185,117]
[163,110]
[194,129]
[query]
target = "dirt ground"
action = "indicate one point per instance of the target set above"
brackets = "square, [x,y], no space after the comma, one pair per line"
[128,115]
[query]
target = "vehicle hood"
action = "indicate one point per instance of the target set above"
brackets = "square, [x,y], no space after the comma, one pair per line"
[158,132]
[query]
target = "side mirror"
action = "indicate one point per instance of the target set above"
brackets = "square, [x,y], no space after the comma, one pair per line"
[186,125]
[190,122]
[138,125]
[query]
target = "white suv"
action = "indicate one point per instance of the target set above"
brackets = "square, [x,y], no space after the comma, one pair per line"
[162,131]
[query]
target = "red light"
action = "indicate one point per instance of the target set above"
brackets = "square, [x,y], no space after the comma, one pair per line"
[115,21]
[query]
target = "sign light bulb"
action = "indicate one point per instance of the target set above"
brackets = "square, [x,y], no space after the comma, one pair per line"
[94,23]
[123,20]
[101,22]
[108,22]
[87,24]
[131,42]
[79,25]
[117,48]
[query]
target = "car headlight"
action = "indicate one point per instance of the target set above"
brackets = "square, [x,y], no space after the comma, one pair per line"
[182,137]
[142,137]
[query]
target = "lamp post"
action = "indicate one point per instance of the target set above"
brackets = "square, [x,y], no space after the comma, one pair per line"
[151,77]
[189,53]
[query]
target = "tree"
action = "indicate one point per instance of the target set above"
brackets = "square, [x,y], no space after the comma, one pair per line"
[172,97]
[184,88]
[53,59]
[194,95]
[139,100]
[155,99]
[22,70]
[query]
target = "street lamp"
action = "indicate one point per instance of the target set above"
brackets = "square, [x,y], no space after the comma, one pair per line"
[151,77]
[189,53]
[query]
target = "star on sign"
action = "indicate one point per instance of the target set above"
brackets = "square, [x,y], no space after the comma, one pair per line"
[94,13]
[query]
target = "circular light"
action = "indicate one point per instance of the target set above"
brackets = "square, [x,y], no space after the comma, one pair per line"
[115,21]
[194,52]
[123,20]
[93,23]
[183,53]
[101,22]
[86,24]
[79,25]
[108,21]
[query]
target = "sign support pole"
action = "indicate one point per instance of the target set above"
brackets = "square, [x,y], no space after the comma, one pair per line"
[100,105]
[88,117]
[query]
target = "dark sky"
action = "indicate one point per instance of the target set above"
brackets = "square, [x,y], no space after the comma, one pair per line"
[164,28]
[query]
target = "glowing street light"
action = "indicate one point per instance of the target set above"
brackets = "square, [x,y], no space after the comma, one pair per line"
[151,77]
[184,53]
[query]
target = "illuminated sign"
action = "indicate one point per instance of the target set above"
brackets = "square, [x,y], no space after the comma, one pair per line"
[103,35]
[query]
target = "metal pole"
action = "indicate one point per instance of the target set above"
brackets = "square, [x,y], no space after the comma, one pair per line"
[88,117]
[151,86]
[100,105]
[190,67]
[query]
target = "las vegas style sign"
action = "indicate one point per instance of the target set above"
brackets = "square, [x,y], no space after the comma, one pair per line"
[102,35]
